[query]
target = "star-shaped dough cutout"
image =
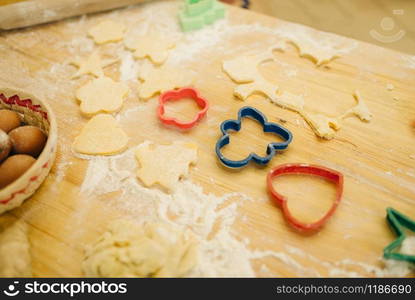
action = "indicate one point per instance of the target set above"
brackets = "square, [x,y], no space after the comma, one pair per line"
[101,95]
[153,46]
[101,136]
[165,164]
[107,31]
[91,65]
[164,78]
[400,224]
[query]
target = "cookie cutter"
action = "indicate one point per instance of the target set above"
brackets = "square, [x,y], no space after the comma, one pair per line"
[399,223]
[175,95]
[280,200]
[198,13]
[235,125]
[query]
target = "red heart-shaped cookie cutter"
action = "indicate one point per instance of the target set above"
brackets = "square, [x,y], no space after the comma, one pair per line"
[175,95]
[329,174]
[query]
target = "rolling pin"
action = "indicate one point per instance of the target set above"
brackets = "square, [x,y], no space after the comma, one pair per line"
[23,13]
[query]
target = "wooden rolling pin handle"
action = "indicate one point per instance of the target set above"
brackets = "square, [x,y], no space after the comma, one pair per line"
[32,12]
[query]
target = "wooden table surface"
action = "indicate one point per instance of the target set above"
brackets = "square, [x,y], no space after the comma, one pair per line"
[376,158]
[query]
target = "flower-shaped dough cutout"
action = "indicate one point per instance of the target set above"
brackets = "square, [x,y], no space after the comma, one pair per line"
[93,65]
[153,46]
[158,80]
[235,125]
[107,31]
[101,95]
[165,164]
[101,136]
[176,96]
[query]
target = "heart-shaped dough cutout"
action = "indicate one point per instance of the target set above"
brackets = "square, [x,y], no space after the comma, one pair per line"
[101,136]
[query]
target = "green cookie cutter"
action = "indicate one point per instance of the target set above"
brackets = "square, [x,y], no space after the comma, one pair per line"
[399,224]
[198,13]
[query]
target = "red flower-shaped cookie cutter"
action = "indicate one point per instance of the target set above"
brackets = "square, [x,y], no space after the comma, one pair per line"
[329,174]
[175,95]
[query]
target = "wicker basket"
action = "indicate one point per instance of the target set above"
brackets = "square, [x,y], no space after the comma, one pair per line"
[35,112]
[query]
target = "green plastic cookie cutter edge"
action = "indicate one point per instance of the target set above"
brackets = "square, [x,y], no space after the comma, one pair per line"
[198,13]
[398,222]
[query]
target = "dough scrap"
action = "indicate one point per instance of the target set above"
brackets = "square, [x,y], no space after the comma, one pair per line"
[161,79]
[150,250]
[101,136]
[360,110]
[92,65]
[153,46]
[15,260]
[101,95]
[315,52]
[165,164]
[107,31]
[323,126]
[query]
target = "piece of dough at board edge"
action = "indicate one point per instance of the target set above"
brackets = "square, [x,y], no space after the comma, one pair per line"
[15,259]
[165,164]
[127,249]
[101,136]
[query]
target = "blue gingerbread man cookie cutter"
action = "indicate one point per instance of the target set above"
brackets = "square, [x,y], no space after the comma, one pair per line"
[235,125]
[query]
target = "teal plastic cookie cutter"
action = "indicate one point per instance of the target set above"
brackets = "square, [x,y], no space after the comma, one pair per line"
[399,223]
[198,13]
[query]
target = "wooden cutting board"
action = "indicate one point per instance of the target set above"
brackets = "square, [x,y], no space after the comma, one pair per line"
[376,158]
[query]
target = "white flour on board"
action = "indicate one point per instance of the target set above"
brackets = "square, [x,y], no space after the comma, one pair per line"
[209,216]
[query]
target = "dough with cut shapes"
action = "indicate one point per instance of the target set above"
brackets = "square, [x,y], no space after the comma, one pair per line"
[150,250]
[15,260]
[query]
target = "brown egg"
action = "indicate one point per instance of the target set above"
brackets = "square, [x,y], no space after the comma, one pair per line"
[28,140]
[13,167]
[9,120]
[5,145]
